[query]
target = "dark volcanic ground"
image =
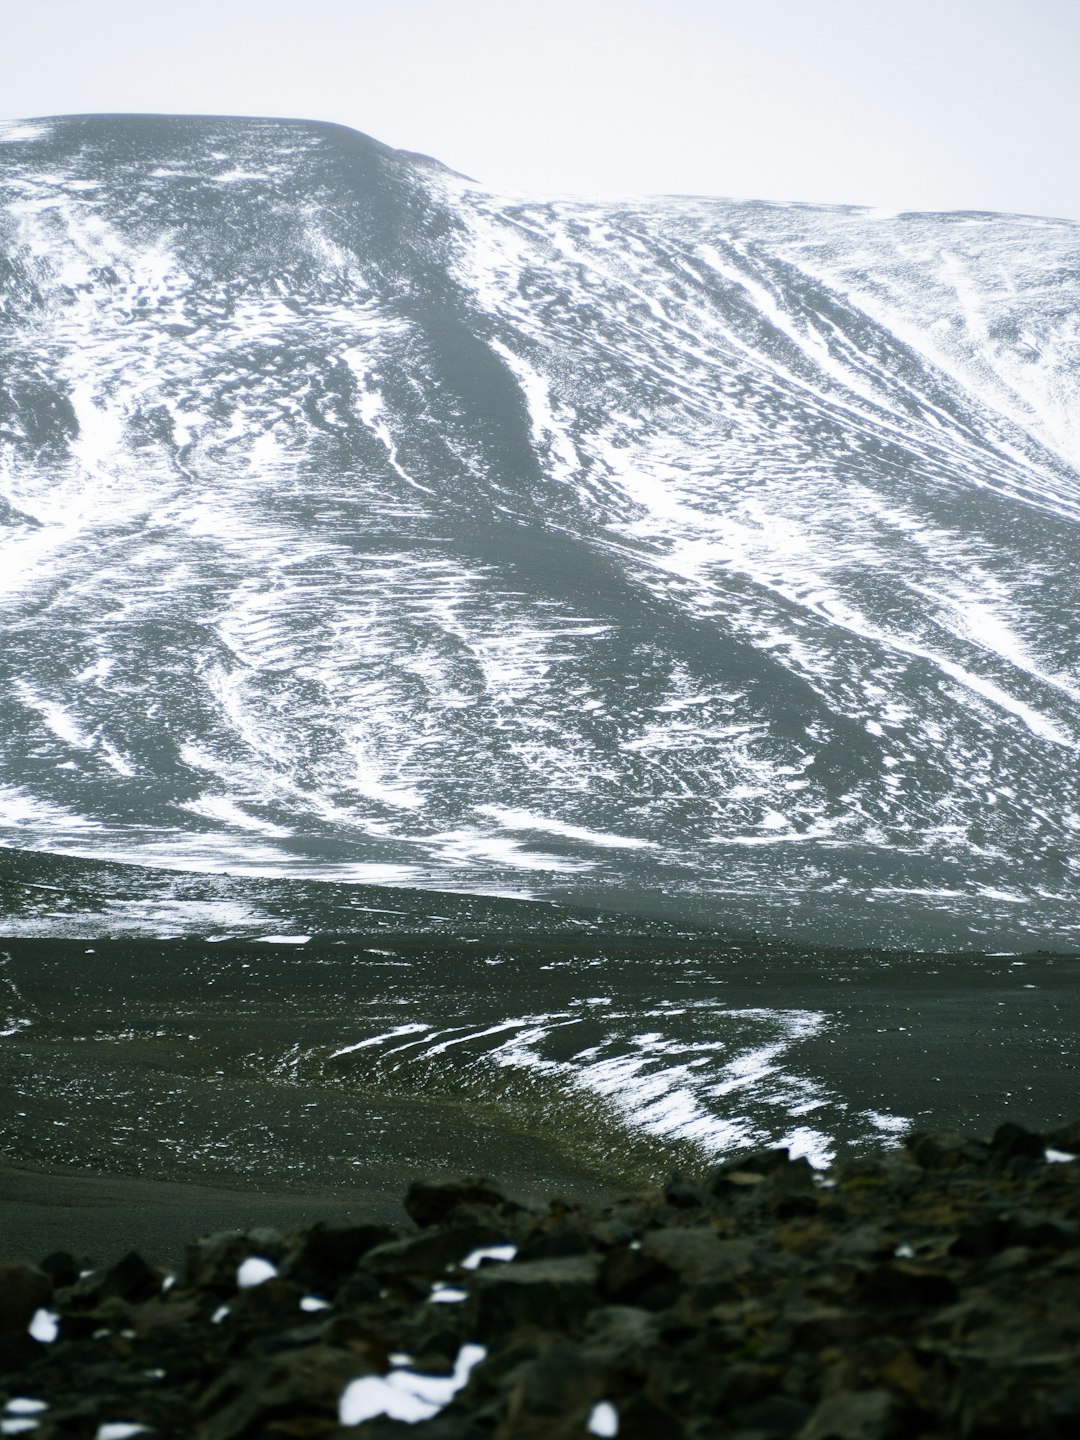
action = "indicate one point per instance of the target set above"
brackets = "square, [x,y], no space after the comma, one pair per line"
[330,1074]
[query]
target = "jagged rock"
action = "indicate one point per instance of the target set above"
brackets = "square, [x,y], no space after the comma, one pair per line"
[864,1242]
[768,1178]
[896,1172]
[984,1236]
[1066,1138]
[756,1162]
[739,1382]
[131,1279]
[1012,1142]
[89,1312]
[610,1231]
[992,1234]
[360,1289]
[567,1231]
[797,1176]
[161,1314]
[266,1304]
[557,1242]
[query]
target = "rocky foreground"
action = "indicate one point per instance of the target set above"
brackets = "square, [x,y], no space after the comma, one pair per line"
[928,1292]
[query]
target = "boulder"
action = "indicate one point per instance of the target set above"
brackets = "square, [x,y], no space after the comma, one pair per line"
[23,1290]
[327,1255]
[212,1261]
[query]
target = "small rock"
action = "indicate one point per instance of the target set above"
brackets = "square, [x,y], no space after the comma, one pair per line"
[763,1162]
[818,1326]
[131,1279]
[62,1268]
[684,1194]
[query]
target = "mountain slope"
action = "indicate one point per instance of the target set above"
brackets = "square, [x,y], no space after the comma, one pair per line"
[707,558]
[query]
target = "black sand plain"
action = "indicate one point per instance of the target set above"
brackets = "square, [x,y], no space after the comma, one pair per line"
[155,1090]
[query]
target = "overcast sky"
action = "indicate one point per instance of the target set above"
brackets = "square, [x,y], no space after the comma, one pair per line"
[913,104]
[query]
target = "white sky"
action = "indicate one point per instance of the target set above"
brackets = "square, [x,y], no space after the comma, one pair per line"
[915,104]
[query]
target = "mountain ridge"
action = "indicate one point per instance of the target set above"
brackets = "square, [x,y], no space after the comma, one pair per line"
[711,559]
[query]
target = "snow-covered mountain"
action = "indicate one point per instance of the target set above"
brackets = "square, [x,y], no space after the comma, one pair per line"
[707,558]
